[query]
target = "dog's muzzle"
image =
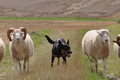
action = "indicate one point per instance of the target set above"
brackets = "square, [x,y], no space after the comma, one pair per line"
[68,53]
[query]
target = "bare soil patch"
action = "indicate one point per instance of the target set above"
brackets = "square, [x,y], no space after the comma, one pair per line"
[57,25]
[62,29]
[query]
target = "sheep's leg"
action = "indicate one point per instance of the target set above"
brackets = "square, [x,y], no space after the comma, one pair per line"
[28,65]
[90,64]
[24,65]
[96,65]
[16,66]
[104,66]
[20,67]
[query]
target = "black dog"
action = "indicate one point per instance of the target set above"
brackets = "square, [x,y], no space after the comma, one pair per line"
[60,49]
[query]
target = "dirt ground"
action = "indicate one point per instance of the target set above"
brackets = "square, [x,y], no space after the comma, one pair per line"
[62,28]
[60,8]
[57,8]
[59,25]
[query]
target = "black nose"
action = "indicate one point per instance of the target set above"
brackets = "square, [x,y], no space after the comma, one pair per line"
[70,52]
[106,40]
[18,39]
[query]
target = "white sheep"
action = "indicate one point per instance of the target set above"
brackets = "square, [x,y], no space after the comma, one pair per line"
[116,46]
[21,47]
[95,44]
[2,49]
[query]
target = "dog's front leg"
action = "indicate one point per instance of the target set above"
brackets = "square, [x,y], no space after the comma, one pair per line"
[64,60]
[52,60]
[58,63]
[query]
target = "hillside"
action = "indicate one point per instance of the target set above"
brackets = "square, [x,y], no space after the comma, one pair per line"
[60,8]
[77,65]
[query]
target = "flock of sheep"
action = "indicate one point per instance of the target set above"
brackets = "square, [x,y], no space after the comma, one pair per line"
[95,44]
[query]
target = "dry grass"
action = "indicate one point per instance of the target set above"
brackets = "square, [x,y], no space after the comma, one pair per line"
[77,67]
[40,66]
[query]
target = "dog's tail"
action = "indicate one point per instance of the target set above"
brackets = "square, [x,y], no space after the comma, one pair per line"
[49,40]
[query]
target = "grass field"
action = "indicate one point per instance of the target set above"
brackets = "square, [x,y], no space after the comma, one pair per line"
[77,66]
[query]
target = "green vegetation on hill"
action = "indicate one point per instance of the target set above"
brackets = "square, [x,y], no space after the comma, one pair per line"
[55,18]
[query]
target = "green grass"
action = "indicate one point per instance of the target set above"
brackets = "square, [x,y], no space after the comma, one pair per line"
[112,65]
[39,36]
[55,18]
[118,21]
[113,61]
[7,65]
[84,61]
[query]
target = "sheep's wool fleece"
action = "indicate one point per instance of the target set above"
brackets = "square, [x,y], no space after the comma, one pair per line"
[22,50]
[116,49]
[2,49]
[93,46]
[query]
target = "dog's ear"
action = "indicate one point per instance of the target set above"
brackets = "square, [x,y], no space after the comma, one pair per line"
[60,43]
[68,42]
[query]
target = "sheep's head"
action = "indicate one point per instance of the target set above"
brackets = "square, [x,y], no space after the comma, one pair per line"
[117,40]
[104,35]
[18,34]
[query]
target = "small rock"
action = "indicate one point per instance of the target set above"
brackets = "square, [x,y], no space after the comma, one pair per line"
[109,77]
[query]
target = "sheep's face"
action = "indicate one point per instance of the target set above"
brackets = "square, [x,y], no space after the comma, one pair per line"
[18,35]
[104,35]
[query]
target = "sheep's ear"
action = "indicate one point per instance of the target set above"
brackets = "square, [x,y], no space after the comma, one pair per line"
[23,33]
[11,33]
[98,32]
[23,30]
[68,42]
[107,30]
